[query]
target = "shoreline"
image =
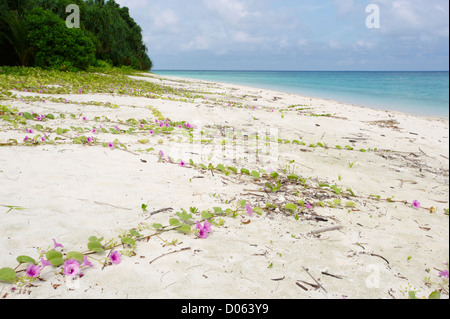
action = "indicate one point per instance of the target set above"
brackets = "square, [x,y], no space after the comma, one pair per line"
[359,169]
[255,87]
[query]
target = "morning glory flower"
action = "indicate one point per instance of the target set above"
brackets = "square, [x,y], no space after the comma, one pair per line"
[249,209]
[71,268]
[86,263]
[33,271]
[444,274]
[204,229]
[45,263]
[56,245]
[115,257]
[416,204]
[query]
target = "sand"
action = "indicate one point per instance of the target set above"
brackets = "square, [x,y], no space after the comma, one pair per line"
[382,249]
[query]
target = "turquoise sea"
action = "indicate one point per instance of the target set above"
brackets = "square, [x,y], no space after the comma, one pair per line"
[421,93]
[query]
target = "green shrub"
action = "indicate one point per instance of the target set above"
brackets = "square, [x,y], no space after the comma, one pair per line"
[55,45]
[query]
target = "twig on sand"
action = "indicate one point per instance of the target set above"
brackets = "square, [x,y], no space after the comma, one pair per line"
[159,211]
[315,279]
[331,275]
[172,252]
[301,286]
[319,231]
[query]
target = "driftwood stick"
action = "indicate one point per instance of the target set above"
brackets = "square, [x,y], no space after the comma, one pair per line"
[319,231]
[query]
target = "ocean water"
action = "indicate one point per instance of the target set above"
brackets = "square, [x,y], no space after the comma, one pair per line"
[421,93]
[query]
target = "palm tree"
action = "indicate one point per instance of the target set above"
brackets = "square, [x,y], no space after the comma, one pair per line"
[17,37]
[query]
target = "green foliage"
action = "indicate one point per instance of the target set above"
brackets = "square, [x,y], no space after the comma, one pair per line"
[7,274]
[34,33]
[57,47]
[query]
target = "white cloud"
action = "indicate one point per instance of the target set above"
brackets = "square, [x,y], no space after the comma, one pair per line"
[165,19]
[132,4]
[231,10]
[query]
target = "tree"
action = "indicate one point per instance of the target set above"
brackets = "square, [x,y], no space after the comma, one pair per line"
[19,50]
[56,45]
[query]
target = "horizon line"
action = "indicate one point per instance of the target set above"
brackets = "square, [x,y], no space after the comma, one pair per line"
[232,70]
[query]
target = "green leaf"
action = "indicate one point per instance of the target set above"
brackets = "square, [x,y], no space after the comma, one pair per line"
[186,229]
[157,226]
[184,216]
[56,261]
[220,167]
[245,171]
[412,295]
[128,241]
[206,215]
[337,201]
[7,274]
[95,246]
[351,191]
[291,207]
[233,169]
[25,260]
[255,174]
[218,210]
[93,238]
[135,233]
[336,189]
[435,295]
[53,254]
[27,115]
[350,204]
[75,255]
[274,175]
[258,210]
[292,177]
[50,116]
[174,222]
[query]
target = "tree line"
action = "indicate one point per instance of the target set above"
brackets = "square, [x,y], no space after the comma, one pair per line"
[34,33]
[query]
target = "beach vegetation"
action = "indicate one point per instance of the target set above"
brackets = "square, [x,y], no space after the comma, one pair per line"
[34,33]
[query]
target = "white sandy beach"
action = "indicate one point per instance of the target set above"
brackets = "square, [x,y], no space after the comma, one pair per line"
[70,192]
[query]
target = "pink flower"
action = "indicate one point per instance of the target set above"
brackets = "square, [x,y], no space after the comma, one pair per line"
[111,145]
[71,268]
[56,245]
[416,204]
[161,153]
[33,271]
[182,164]
[115,257]
[90,139]
[308,205]
[45,263]
[249,209]
[86,263]
[204,229]
[151,132]
[444,274]
[26,138]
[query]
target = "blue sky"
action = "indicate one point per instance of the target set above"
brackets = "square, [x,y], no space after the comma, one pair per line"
[293,34]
